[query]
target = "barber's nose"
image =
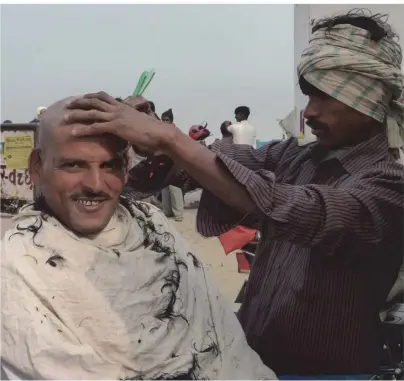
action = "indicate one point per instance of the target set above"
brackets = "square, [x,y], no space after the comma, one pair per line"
[93,179]
[312,109]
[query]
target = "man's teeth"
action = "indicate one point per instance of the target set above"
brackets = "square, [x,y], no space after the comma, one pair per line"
[89,202]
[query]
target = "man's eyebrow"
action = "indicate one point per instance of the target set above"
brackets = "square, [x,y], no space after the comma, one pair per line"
[68,160]
[117,159]
[65,160]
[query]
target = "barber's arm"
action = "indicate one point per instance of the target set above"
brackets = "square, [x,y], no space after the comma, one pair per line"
[308,214]
[319,216]
[157,172]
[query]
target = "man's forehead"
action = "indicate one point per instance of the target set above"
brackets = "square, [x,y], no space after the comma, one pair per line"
[94,148]
[55,133]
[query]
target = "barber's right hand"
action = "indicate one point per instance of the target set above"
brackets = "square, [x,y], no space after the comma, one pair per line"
[99,113]
[140,104]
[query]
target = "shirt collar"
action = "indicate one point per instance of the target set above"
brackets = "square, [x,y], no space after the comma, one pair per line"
[358,157]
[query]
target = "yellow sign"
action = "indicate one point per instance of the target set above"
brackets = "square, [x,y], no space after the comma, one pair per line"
[17,150]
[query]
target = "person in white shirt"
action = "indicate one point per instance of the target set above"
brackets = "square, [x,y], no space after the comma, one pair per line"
[243,132]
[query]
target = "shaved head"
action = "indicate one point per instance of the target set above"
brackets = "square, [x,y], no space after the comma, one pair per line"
[53,129]
[51,122]
[81,178]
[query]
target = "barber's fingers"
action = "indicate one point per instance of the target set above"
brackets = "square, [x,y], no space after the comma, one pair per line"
[90,104]
[87,117]
[103,96]
[135,102]
[94,129]
[140,104]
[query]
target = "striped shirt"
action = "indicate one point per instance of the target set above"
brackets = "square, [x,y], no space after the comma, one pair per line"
[331,249]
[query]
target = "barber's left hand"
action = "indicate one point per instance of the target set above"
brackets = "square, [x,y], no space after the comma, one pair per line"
[132,120]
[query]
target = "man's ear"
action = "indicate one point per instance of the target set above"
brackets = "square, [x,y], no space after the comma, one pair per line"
[35,166]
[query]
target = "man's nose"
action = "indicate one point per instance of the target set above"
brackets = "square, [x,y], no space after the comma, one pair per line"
[312,109]
[93,179]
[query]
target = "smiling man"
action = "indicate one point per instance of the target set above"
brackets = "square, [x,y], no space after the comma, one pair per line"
[97,287]
[80,179]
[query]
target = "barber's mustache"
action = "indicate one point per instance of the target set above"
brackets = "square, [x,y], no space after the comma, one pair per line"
[316,124]
[88,194]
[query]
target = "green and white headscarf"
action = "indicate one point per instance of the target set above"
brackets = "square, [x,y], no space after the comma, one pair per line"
[366,75]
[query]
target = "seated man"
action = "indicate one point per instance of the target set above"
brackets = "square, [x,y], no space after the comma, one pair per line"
[97,287]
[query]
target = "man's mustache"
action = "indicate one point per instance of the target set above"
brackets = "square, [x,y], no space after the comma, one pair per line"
[88,194]
[316,124]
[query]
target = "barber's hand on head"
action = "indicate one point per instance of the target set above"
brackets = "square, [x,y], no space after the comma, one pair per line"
[140,104]
[131,120]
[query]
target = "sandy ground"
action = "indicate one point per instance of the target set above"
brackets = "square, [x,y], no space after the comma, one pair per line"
[222,268]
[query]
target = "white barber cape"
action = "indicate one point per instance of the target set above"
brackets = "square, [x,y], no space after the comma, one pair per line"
[131,303]
[243,133]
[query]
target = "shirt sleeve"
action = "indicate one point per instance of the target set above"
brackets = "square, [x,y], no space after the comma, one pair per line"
[361,213]
[216,217]
[152,175]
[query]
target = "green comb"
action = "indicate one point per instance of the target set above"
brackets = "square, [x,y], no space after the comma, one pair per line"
[144,82]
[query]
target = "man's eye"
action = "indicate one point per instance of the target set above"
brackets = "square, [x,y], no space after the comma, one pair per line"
[71,166]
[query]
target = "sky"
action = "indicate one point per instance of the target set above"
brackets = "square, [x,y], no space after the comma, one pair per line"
[209,59]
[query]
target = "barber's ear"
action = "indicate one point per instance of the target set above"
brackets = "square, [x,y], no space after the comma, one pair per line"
[35,166]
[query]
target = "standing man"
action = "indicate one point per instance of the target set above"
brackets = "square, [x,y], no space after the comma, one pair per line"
[243,132]
[224,129]
[226,134]
[167,116]
[39,113]
[330,214]
[172,197]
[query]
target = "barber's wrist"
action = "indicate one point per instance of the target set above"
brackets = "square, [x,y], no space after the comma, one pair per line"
[169,139]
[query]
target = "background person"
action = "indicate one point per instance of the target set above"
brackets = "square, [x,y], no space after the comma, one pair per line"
[243,132]
[172,197]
